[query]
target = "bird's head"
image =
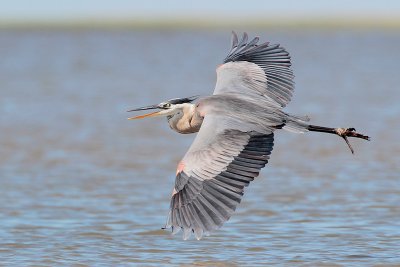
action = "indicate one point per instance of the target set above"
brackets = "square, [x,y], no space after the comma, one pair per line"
[167,108]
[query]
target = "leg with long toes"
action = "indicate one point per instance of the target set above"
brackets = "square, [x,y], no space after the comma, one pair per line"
[342,132]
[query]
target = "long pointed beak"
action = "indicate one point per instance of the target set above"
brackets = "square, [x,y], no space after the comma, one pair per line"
[152,114]
[144,108]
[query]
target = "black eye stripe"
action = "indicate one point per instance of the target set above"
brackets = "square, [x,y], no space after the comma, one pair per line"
[182,100]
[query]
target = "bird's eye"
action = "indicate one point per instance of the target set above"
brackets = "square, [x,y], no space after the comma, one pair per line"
[167,105]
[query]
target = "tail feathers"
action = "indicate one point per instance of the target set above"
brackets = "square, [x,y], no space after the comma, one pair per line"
[296,124]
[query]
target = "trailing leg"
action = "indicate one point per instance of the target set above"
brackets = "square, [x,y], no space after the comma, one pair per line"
[342,132]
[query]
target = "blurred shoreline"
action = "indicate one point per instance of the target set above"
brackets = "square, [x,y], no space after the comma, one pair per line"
[334,23]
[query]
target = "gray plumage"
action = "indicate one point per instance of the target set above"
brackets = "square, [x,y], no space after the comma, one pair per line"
[235,136]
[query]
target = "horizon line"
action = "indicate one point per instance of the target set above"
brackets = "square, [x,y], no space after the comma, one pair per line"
[327,22]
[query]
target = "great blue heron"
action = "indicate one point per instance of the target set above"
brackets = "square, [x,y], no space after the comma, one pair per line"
[235,136]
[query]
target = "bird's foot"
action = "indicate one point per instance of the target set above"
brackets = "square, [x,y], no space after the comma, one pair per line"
[350,132]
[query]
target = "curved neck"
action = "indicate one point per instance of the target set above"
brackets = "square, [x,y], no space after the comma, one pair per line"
[186,120]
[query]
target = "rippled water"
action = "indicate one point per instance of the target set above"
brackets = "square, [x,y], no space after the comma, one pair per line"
[80,185]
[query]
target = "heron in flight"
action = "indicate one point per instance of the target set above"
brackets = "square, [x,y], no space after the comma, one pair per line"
[235,137]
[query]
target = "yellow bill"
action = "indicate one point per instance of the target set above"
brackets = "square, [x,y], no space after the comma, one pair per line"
[153,114]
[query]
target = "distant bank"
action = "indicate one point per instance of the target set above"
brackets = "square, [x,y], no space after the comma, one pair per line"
[207,23]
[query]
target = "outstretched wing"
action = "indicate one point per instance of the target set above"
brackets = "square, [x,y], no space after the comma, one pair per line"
[211,177]
[256,70]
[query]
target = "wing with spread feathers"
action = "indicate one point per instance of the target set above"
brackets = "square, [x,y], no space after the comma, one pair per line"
[212,175]
[255,70]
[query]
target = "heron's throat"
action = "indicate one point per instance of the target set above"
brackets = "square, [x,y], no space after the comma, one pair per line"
[185,120]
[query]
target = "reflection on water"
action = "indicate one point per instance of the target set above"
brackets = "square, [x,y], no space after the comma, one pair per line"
[82,185]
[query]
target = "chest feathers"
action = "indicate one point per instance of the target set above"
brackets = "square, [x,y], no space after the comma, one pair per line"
[186,120]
